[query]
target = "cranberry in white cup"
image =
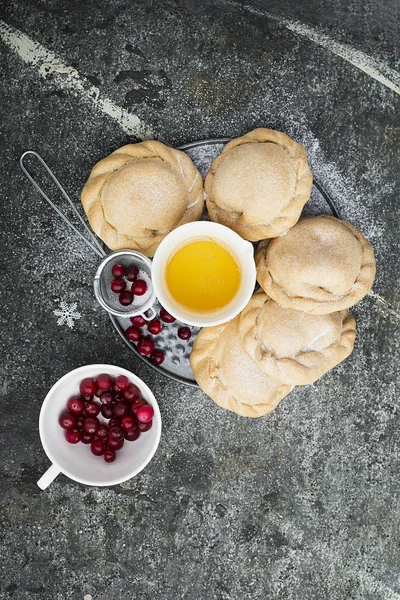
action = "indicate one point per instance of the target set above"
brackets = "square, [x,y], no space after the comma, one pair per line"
[76,460]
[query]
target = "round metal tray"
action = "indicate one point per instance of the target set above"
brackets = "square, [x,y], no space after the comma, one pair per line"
[177,352]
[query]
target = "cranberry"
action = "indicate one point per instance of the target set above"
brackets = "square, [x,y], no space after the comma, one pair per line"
[122,382]
[132,435]
[87,438]
[145,413]
[90,424]
[118,270]
[184,333]
[102,432]
[106,398]
[125,298]
[67,420]
[166,317]
[132,273]
[129,423]
[76,405]
[157,356]
[104,382]
[73,436]
[145,426]
[88,387]
[97,447]
[120,409]
[154,327]
[138,321]
[114,422]
[145,346]
[109,455]
[132,392]
[115,444]
[115,433]
[118,285]
[92,409]
[139,287]
[136,405]
[106,411]
[79,423]
[133,334]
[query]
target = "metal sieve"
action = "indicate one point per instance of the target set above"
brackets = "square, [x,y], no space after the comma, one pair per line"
[141,305]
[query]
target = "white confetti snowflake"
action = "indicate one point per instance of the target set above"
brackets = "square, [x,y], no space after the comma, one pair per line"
[67,313]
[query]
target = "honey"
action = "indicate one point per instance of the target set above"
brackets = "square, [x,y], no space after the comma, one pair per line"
[202,275]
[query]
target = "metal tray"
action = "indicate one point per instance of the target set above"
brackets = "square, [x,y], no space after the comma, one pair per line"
[177,352]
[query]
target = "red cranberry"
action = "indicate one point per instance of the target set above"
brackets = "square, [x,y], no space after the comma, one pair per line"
[129,423]
[122,382]
[87,438]
[184,333]
[76,405]
[88,387]
[166,317]
[132,392]
[90,424]
[106,411]
[145,413]
[73,436]
[92,409]
[114,422]
[145,346]
[120,409]
[118,270]
[132,435]
[106,398]
[115,444]
[109,455]
[97,447]
[132,273]
[102,431]
[115,433]
[138,321]
[79,422]
[154,327]
[104,382]
[118,285]
[133,334]
[145,426]
[136,405]
[139,287]
[157,356]
[126,298]
[67,420]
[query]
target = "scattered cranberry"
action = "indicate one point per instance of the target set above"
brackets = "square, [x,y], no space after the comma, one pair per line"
[154,327]
[97,447]
[129,423]
[115,433]
[133,334]
[115,444]
[132,392]
[102,432]
[92,409]
[118,285]
[166,317]
[104,382]
[145,346]
[76,405]
[139,287]
[109,455]
[157,356]
[90,424]
[106,411]
[122,382]
[133,435]
[138,321]
[73,436]
[67,420]
[145,414]
[132,273]
[126,298]
[87,438]
[145,426]
[118,270]
[88,387]
[184,333]
[106,398]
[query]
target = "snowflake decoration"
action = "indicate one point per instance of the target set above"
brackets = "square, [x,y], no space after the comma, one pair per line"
[67,313]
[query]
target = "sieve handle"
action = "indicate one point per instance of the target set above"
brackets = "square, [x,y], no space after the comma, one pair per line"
[96,247]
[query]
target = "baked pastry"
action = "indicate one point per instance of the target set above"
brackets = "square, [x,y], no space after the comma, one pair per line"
[259,184]
[232,379]
[319,266]
[139,193]
[292,346]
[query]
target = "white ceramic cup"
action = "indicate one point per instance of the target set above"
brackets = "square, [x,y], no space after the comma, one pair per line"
[240,249]
[76,460]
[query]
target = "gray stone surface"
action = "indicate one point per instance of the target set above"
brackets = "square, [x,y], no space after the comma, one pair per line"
[300,505]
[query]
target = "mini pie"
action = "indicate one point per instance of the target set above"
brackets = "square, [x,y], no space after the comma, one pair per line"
[319,266]
[292,346]
[232,379]
[259,184]
[139,193]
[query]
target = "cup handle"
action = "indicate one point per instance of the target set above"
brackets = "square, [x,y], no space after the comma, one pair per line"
[152,314]
[48,477]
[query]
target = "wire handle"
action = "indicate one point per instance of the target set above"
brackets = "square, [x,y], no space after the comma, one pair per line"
[96,247]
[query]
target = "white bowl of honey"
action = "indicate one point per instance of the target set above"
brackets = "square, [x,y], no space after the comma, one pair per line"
[204,273]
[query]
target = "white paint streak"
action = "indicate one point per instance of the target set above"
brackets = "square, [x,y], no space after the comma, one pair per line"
[371,66]
[49,64]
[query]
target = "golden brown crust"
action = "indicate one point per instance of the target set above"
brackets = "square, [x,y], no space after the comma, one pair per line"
[291,346]
[261,224]
[174,194]
[334,262]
